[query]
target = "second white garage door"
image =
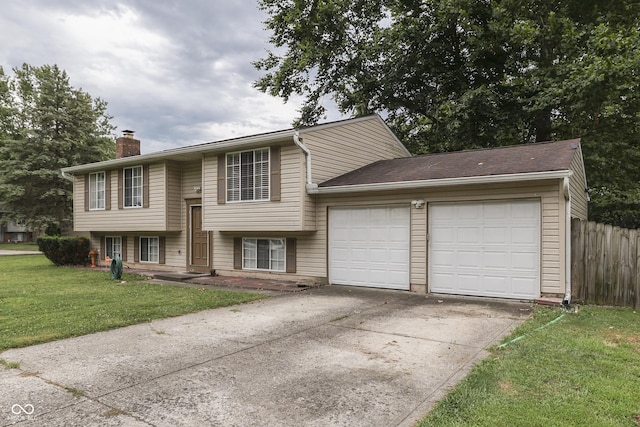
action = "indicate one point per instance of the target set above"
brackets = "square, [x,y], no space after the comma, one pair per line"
[485,249]
[369,246]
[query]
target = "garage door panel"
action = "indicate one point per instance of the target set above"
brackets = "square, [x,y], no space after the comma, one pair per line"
[358,235]
[496,211]
[525,235]
[375,251]
[467,259]
[357,255]
[443,258]
[485,248]
[378,236]
[341,235]
[399,234]
[341,253]
[469,211]
[396,257]
[496,260]
[446,281]
[523,261]
[522,211]
[495,284]
[521,285]
[468,282]
[378,255]
[495,235]
[469,235]
[446,235]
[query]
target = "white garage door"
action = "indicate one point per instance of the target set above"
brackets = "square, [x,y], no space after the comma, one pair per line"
[485,249]
[369,247]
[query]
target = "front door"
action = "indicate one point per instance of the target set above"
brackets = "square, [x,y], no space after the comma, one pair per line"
[199,239]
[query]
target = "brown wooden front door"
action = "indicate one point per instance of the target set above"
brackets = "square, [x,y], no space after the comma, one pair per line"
[199,239]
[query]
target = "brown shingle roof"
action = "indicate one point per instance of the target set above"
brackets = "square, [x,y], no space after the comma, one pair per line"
[516,159]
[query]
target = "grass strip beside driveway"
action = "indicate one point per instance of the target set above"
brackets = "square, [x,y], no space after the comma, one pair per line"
[40,302]
[582,370]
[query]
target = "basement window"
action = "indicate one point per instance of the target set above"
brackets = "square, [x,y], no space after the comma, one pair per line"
[263,254]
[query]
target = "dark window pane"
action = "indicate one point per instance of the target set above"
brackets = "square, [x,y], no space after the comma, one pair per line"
[263,254]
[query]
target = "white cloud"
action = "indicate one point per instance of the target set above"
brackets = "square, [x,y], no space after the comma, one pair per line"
[177,72]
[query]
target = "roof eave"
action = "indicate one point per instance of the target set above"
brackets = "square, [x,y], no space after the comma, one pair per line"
[444,182]
[184,151]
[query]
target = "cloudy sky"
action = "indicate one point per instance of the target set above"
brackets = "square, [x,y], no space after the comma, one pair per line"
[176,72]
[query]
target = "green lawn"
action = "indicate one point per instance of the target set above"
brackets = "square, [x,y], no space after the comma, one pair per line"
[40,302]
[583,370]
[19,246]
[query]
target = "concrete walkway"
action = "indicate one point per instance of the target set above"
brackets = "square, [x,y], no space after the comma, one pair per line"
[329,356]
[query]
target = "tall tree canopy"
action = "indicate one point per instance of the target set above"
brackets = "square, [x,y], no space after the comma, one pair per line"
[456,74]
[46,124]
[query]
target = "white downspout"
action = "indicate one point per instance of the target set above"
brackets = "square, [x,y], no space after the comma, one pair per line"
[567,245]
[310,185]
[67,176]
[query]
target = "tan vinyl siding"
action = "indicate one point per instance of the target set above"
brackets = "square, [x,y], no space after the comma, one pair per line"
[191,177]
[312,248]
[153,218]
[78,198]
[341,149]
[175,251]
[223,252]
[577,187]
[418,246]
[174,242]
[283,215]
[174,196]
[309,207]
[312,259]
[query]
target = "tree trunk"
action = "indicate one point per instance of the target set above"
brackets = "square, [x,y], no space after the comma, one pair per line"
[543,125]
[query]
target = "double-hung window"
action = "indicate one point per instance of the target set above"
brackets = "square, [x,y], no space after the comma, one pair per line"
[248,175]
[133,187]
[96,191]
[113,247]
[263,254]
[149,249]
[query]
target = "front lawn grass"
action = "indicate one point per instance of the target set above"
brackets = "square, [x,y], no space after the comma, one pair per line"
[40,302]
[583,370]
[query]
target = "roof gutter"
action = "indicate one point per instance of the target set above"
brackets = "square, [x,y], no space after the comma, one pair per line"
[235,143]
[443,182]
[67,176]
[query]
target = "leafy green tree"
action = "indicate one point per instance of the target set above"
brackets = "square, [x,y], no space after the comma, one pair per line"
[458,74]
[46,124]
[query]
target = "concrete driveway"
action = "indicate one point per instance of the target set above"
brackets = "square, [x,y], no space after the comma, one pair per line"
[330,356]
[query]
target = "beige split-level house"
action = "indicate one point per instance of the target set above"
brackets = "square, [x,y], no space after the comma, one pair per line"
[341,203]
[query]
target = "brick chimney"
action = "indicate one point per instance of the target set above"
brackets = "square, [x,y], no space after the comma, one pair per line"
[127,145]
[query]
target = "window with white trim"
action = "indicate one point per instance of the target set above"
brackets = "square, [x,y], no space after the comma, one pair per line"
[133,187]
[149,249]
[113,247]
[248,175]
[263,254]
[96,190]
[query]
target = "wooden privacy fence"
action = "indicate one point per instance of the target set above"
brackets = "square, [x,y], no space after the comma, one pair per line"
[605,264]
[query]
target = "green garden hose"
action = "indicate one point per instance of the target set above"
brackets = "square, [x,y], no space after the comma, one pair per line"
[523,336]
[116,269]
